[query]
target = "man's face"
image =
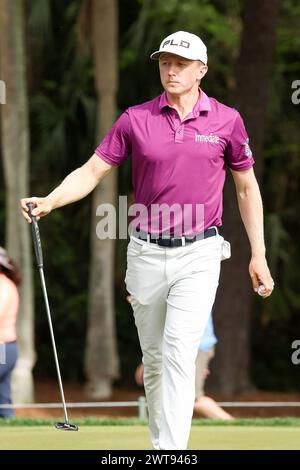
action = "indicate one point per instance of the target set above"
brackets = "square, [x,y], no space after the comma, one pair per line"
[179,75]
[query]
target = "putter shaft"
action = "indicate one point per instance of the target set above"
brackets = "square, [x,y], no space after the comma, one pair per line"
[53,343]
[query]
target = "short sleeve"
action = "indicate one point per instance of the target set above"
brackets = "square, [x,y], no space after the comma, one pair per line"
[116,145]
[238,153]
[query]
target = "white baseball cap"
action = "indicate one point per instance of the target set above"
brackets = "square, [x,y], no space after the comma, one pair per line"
[184,44]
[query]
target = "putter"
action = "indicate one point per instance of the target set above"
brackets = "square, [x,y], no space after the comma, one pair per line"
[66,426]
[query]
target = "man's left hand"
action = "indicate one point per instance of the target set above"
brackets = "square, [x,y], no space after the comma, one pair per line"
[260,275]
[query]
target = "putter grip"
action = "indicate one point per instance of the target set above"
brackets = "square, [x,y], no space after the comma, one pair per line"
[36,236]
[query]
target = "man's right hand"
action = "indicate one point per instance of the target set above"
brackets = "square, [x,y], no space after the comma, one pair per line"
[41,205]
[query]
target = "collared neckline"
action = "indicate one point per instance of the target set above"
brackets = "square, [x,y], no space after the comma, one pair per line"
[202,104]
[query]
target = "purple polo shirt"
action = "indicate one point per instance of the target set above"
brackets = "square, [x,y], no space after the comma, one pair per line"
[179,162]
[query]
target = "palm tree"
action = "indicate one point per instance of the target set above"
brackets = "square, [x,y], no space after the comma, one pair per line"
[235,304]
[101,358]
[15,154]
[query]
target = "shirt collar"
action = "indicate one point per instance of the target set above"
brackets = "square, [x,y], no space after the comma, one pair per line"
[203,103]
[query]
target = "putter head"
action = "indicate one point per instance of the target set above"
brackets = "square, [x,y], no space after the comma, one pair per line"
[66,426]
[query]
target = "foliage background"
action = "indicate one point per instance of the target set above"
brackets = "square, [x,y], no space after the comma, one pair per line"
[62,112]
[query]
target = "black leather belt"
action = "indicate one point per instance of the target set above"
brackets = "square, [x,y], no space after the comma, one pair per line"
[171,242]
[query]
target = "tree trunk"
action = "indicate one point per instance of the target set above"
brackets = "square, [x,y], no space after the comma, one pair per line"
[234,303]
[101,360]
[15,152]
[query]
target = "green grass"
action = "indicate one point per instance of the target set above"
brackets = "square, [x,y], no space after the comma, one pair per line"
[91,421]
[122,434]
[123,437]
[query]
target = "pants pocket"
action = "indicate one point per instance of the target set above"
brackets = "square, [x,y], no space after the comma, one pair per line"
[134,248]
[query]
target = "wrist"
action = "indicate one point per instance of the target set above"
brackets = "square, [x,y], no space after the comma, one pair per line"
[50,200]
[258,254]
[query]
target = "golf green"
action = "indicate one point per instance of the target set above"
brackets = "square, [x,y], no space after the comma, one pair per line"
[136,437]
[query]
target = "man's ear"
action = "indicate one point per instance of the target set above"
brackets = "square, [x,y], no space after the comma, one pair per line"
[203,70]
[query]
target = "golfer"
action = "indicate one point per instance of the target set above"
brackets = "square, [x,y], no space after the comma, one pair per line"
[180,144]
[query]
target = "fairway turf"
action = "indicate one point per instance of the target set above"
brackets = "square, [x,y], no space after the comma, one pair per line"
[136,437]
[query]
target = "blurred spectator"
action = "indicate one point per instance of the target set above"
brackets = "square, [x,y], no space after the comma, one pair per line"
[9,304]
[204,406]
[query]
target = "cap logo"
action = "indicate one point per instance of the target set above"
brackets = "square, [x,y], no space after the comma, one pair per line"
[172,43]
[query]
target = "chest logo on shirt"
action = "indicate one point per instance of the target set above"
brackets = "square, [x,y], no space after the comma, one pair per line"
[211,138]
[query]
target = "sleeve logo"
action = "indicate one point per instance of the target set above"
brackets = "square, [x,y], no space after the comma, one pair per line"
[248,152]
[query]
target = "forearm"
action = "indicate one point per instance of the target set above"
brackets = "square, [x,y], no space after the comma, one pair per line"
[251,210]
[75,186]
[79,183]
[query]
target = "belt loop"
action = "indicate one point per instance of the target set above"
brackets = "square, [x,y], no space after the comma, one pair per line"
[148,237]
[183,241]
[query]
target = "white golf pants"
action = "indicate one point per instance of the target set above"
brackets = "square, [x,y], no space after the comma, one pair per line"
[173,291]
